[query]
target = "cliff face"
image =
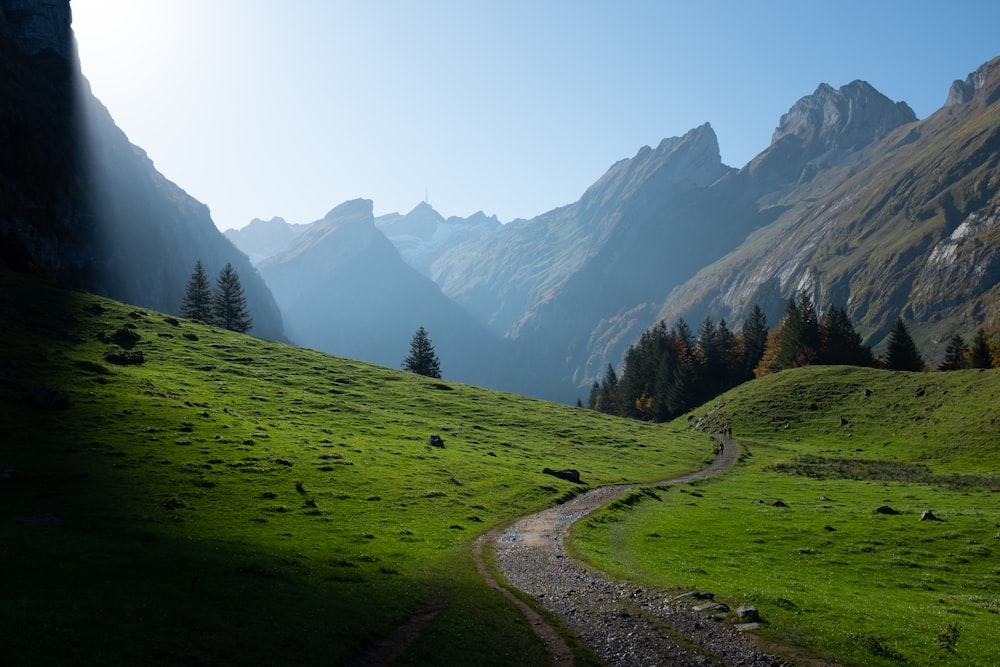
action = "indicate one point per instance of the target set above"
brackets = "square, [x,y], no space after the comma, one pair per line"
[78,202]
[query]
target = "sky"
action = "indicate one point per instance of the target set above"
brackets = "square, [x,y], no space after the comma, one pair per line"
[260,108]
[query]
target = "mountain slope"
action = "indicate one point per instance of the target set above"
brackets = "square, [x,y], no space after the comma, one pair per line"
[344,289]
[914,232]
[82,205]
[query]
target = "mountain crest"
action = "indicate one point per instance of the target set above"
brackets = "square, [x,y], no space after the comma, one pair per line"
[983,84]
[37,25]
[852,116]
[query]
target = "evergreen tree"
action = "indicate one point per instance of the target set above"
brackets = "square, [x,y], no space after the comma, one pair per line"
[230,303]
[595,391]
[956,355]
[754,335]
[422,360]
[839,343]
[197,303]
[770,360]
[799,342]
[979,355]
[607,396]
[902,353]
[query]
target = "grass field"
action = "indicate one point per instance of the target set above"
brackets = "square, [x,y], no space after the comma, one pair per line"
[831,577]
[235,501]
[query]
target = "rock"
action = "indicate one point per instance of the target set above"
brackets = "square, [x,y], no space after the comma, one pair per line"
[746,613]
[928,515]
[435,441]
[885,509]
[920,391]
[568,474]
[843,421]
[778,503]
[747,627]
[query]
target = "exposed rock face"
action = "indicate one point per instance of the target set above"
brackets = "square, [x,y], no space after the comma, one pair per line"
[79,203]
[983,84]
[847,118]
[36,25]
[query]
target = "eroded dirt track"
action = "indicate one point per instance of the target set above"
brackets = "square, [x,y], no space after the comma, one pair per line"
[623,624]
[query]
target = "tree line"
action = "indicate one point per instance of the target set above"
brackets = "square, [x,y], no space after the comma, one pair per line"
[667,372]
[225,306]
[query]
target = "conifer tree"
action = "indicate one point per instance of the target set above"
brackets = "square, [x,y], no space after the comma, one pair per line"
[754,335]
[979,355]
[902,353]
[839,343]
[607,396]
[956,355]
[197,303]
[422,359]
[230,303]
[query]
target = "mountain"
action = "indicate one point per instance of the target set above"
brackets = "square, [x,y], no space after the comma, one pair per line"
[265,238]
[912,231]
[344,289]
[423,235]
[79,203]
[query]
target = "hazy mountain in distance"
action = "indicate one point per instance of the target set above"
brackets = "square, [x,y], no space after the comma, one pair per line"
[423,235]
[261,239]
[344,289]
[78,202]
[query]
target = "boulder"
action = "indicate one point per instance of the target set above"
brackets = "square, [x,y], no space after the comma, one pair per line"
[928,515]
[746,613]
[435,441]
[885,509]
[568,474]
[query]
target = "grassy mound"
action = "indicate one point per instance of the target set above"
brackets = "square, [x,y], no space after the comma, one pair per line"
[178,494]
[831,576]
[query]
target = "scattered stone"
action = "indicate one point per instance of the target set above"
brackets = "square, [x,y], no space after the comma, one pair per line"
[920,391]
[746,613]
[778,503]
[928,515]
[435,441]
[843,421]
[190,336]
[829,529]
[746,627]
[124,357]
[868,393]
[172,321]
[568,474]
[824,499]
[885,509]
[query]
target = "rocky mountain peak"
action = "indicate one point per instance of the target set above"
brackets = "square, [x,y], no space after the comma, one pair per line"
[37,25]
[983,84]
[849,117]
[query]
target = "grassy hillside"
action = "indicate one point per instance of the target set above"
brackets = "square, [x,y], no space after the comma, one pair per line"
[234,501]
[830,576]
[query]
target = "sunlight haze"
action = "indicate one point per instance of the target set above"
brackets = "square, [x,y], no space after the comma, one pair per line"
[262,109]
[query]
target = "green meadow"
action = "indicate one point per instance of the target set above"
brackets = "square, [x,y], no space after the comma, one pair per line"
[236,501]
[832,578]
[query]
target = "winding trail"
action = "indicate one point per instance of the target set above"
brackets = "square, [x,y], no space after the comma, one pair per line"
[624,625]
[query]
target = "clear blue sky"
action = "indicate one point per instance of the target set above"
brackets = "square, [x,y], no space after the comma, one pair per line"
[261,108]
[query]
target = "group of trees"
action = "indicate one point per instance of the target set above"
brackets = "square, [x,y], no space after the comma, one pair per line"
[225,306]
[668,372]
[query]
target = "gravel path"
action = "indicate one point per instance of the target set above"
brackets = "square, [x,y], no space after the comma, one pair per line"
[622,624]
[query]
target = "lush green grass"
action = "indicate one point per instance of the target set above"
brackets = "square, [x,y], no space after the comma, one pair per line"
[234,501]
[831,577]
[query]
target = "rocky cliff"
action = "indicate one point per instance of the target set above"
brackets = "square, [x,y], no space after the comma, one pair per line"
[78,202]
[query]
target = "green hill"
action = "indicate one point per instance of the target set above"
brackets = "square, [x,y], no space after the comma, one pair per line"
[833,578]
[234,501]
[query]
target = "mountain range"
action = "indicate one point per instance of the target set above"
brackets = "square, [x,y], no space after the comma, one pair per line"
[855,202]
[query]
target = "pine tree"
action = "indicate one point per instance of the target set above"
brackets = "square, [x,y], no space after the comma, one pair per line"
[422,360]
[754,336]
[902,353]
[607,396]
[979,355]
[956,355]
[230,303]
[197,303]
[839,343]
